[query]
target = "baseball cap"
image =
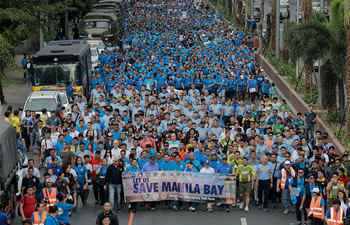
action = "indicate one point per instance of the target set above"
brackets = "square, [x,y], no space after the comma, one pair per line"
[287,162]
[49,180]
[315,190]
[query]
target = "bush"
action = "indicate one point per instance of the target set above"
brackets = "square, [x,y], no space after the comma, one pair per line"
[285,69]
[311,98]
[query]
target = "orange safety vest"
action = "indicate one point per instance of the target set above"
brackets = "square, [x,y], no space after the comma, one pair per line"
[39,219]
[336,217]
[50,196]
[316,210]
[284,177]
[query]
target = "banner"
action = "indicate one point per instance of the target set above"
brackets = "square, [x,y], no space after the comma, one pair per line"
[178,186]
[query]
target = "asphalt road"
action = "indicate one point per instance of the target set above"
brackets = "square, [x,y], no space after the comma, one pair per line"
[87,215]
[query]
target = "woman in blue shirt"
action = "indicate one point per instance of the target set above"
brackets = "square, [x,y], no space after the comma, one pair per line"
[298,196]
[82,177]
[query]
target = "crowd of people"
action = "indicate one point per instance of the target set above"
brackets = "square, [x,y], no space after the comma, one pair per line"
[185,93]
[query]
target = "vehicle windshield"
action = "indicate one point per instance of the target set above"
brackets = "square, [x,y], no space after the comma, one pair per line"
[63,98]
[97,25]
[56,74]
[38,104]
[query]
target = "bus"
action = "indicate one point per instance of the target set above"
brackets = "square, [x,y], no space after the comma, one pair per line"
[61,63]
[102,24]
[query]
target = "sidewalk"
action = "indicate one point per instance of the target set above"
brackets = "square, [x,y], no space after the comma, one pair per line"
[15,90]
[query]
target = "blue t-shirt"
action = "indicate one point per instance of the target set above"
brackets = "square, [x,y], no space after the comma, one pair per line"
[64,217]
[264,172]
[3,218]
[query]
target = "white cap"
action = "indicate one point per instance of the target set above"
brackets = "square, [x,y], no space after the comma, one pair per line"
[287,162]
[315,190]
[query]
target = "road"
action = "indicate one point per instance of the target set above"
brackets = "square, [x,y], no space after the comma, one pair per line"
[86,216]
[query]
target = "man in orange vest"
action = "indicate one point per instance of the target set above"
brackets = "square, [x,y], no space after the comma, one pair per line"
[287,172]
[50,193]
[39,215]
[316,211]
[335,214]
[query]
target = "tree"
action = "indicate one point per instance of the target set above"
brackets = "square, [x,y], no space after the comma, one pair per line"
[347,64]
[310,42]
[6,59]
[273,26]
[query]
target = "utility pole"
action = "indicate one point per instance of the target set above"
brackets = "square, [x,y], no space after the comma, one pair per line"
[277,28]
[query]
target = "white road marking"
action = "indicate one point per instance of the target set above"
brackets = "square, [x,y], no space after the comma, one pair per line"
[243,221]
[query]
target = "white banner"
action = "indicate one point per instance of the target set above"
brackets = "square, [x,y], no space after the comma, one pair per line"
[178,186]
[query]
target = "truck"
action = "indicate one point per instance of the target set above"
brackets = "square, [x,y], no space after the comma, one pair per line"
[9,165]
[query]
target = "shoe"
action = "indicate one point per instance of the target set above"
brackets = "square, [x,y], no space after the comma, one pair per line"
[286,211]
[266,210]
[175,207]
[192,209]
[210,210]
[246,209]
[241,205]
[260,206]
[227,210]
[152,209]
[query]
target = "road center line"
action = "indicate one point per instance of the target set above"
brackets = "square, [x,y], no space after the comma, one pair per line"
[243,221]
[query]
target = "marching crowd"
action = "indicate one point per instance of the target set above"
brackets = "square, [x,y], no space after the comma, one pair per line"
[185,93]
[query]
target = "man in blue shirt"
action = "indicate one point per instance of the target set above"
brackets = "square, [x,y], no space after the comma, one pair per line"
[64,209]
[51,219]
[151,165]
[4,220]
[264,175]
[224,167]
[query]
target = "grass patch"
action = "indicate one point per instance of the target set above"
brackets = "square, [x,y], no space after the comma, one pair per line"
[285,69]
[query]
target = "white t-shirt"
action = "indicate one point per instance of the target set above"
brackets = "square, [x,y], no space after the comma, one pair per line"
[208,170]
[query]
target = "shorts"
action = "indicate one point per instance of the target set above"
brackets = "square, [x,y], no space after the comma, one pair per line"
[132,207]
[244,187]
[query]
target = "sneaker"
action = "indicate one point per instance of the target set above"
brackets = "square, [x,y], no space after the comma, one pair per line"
[286,211]
[175,207]
[227,210]
[260,206]
[192,209]
[241,205]
[152,209]
[266,210]
[246,209]
[210,210]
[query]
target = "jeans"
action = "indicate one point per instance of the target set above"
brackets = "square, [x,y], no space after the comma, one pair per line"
[315,221]
[285,198]
[300,213]
[115,191]
[263,192]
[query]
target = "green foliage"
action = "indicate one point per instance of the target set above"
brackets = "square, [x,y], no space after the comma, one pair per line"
[336,27]
[311,97]
[334,117]
[6,56]
[285,69]
[309,41]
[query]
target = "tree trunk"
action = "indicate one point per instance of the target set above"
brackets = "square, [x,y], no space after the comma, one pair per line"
[2,96]
[347,63]
[328,86]
[273,26]
[307,10]
[308,77]
[347,73]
